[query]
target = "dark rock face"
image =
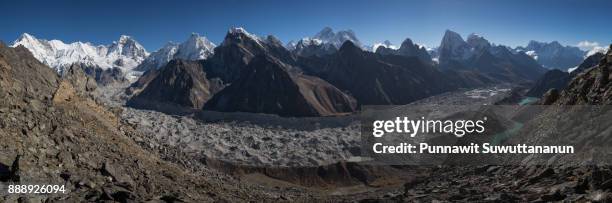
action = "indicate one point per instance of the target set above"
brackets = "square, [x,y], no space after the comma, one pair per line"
[87,147]
[452,49]
[105,76]
[589,62]
[378,80]
[237,50]
[550,97]
[180,83]
[142,82]
[79,80]
[553,79]
[500,63]
[408,48]
[23,76]
[559,79]
[479,55]
[555,55]
[590,87]
[268,86]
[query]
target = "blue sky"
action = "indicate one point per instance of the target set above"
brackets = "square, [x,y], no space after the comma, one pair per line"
[153,23]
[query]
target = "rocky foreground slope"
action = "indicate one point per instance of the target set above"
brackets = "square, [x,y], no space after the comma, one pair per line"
[592,87]
[585,176]
[52,132]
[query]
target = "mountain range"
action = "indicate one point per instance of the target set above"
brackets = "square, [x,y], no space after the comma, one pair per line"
[125,53]
[478,54]
[259,74]
[125,56]
[407,48]
[554,55]
[325,42]
[330,73]
[558,80]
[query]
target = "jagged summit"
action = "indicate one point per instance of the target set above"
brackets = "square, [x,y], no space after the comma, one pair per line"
[478,41]
[196,47]
[129,47]
[234,30]
[124,38]
[327,35]
[239,35]
[480,55]
[407,48]
[452,37]
[453,47]
[325,42]
[237,50]
[385,44]
[241,31]
[23,37]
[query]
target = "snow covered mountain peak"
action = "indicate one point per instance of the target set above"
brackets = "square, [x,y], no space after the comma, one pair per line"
[128,47]
[307,41]
[553,54]
[407,48]
[125,54]
[324,42]
[240,30]
[196,47]
[238,34]
[25,37]
[386,44]
[124,38]
[327,35]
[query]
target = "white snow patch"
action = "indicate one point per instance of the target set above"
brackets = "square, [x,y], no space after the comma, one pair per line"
[532,54]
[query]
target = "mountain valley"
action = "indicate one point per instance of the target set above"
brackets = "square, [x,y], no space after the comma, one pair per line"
[254,119]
